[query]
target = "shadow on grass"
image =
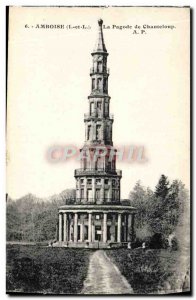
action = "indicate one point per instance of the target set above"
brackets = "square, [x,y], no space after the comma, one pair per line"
[151,271]
[34,269]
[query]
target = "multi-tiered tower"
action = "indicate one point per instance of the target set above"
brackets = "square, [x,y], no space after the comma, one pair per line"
[97,219]
[98,181]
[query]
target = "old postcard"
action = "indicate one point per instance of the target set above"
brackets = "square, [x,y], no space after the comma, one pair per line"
[98,150]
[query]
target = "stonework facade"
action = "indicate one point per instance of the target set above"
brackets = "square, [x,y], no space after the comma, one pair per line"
[97,219]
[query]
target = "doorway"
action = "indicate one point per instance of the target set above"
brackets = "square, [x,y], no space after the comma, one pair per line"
[98,233]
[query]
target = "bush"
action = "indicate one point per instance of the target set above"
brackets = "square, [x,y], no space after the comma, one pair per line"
[46,270]
[158,241]
[174,244]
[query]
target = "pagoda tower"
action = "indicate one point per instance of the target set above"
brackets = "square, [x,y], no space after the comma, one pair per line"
[97,219]
[98,181]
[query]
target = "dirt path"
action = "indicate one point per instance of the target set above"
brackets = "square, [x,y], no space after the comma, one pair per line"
[104,277]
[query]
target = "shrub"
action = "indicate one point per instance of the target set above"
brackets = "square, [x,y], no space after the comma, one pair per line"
[174,244]
[158,241]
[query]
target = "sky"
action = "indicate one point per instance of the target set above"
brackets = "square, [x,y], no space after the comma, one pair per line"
[49,82]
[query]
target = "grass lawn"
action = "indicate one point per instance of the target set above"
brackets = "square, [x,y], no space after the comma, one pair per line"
[34,269]
[152,271]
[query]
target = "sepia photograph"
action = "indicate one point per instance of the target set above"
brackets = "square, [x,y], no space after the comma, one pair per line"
[98,150]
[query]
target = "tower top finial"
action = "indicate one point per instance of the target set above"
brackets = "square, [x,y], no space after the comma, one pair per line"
[100,45]
[100,22]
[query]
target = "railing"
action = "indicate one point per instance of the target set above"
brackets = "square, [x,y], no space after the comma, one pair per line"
[100,201]
[98,115]
[97,70]
[79,172]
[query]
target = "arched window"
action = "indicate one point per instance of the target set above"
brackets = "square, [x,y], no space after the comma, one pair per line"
[93,83]
[106,108]
[99,81]
[99,66]
[88,132]
[82,193]
[84,162]
[107,133]
[97,194]
[98,163]
[98,127]
[105,85]
[91,108]
[109,165]
[99,107]
[113,165]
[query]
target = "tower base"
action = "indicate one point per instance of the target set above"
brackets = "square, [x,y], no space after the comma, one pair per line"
[95,226]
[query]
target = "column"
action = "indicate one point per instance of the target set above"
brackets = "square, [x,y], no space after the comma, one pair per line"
[119,190]
[65,228]
[105,227]
[113,228]
[125,228]
[90,227]
[75,227]
[93,135]
[70,224]
[119,229]
[93,189]
[110,190]
[82,232]
[79,189]
[93,233]
[110,131]
[86,126]
[56,232]
[85,188]
[77,194]
[103,107]
[71,228]
[130,225]
[102,190]
[102,131]
[60,227]
[90,132]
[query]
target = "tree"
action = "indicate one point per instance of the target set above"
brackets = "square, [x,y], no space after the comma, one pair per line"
[140,198]
[34,219]
[68,196]
[167,207]
[13,221]
[160,213]
[162,188]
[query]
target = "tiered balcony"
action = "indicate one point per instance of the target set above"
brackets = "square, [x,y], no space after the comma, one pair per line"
[91,201]
[100,171]
[99,71]
[98,116]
